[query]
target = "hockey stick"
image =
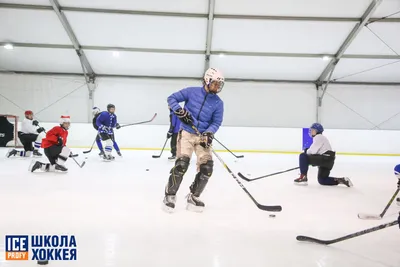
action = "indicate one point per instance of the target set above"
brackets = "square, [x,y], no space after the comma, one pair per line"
[236,156]
[162,150]
[262,207]
[80,165]
[90,150]
[364,216]
[136,123]
[328,242]
[264,176]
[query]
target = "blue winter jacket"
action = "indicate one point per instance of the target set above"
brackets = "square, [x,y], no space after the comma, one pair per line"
[108,120]
[206,109]
[175,123]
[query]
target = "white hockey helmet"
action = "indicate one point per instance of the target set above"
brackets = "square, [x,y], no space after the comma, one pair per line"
[95,111]
[214,75]
[65,119]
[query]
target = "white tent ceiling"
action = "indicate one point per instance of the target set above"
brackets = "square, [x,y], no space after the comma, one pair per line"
[249,40]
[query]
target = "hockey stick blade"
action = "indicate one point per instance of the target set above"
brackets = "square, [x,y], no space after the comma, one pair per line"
[243,177]
[155,156]
[162,150]
[346,237]
[270,208]
[364,216]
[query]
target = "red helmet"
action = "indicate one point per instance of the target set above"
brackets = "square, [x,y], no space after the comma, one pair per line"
[28,112]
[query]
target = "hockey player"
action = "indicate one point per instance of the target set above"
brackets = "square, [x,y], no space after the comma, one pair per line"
[96,112]
[319,154]
[106,122]
[203,109]
[55,148]
[397,174]
[30,133]
[174,127]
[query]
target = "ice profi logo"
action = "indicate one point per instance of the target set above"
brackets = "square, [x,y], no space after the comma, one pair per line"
[17,247]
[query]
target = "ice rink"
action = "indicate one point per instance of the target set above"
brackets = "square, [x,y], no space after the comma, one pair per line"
[114,210]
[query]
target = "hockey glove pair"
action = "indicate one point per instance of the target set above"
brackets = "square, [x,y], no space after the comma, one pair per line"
[206,139]
[184,115]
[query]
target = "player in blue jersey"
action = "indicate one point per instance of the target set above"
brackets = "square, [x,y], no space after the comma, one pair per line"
[96,113]
[204,109]
[106,122]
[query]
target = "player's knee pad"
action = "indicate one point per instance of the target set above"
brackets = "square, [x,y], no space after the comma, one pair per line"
[109,142]
[63,156]
[176,175]
[207,168]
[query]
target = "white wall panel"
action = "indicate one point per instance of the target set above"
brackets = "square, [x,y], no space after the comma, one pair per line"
[269,67]
[137,63]
[367,43]
[279,36]
[38,92]
[139,31]
[269,104]
[243,101]
[375,103]
[317,8]
[197,6]
[388,7]
[28,2]
[388,73]
[40,59]
[31,26]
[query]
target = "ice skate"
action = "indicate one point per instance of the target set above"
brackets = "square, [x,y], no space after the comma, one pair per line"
[11,152]
[36,153]
[108,157]
[169,203]
[194,203]
[119,153]
[61,168]
[398,201]
[101,154]
[35,165]
[345,181]
[302,180]
[172,158]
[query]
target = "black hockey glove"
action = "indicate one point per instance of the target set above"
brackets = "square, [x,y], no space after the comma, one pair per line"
[59,141]
[169,135]
[41,129]
[35,122]
[117,126]
[206,139]
[184,115]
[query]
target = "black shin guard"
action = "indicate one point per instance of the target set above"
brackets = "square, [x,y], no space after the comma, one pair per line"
[176,175]
[201,179]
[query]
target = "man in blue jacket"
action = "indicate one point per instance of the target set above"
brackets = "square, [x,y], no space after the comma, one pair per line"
[107,121]
[174,127]
[204,110]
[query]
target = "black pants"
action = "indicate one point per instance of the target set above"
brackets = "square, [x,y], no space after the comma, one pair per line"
[324,163]
[174,139]
[27,140]
[52,153]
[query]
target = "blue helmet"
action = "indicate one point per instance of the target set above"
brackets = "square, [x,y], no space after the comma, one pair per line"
[318,127]
[397,171]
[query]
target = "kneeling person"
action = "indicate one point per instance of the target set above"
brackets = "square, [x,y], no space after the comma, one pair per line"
[319,154]
[54,148]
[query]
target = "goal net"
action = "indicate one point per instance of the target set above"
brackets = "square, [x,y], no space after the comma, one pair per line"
[9,131]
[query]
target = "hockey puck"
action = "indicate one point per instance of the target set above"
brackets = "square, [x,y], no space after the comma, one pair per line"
[147,170]
[43,262]
[272,215]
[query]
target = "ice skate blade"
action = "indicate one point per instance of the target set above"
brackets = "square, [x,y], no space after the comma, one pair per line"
[364,216]
[168,209]
[194,208]
[301,184]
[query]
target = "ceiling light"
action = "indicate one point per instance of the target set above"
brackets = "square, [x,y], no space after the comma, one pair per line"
[115,53]
[221,54]
[326,58]
[9,46]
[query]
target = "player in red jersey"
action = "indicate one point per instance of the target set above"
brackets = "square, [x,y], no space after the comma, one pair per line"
[55,148]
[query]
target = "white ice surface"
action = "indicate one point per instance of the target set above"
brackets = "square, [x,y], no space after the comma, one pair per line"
[114,210]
